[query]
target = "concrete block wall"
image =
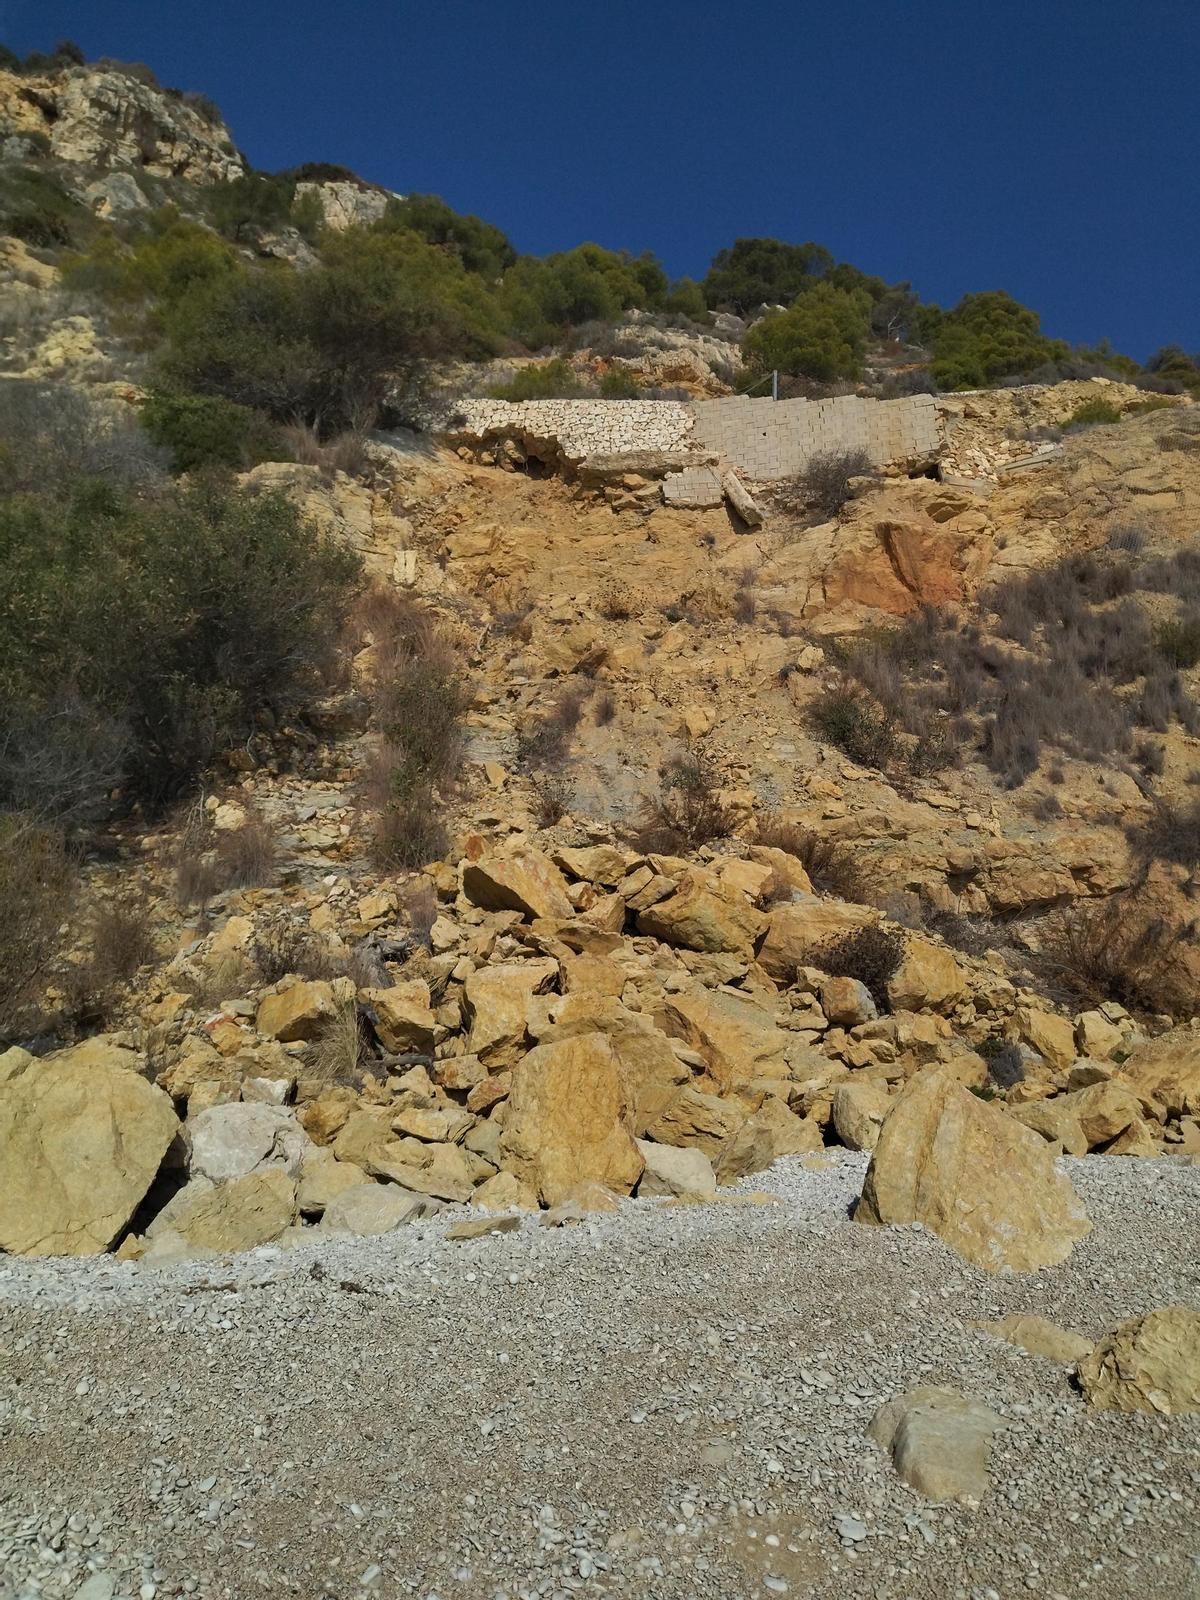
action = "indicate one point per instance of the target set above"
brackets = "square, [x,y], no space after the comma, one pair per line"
[768,439]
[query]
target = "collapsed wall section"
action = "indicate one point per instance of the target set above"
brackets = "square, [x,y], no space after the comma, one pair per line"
[562,433]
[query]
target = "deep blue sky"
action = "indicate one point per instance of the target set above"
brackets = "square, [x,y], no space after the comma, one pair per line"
[1046,148]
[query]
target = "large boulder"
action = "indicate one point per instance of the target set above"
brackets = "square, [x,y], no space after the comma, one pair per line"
[859,1110]
[698,916]
[402,1016]
[1165,1073]
[699,1121]
[1104,1110]
[799,930]
[227,1217]
[371,1208]
[737,1039]
[683,1174]
[495,1002]
[938,1441]
[1150,1363]
[568,1119]
[652,1071]
[299,1011]
[82,1137]
[927,979]
[770,1132]
[228,1141]
[981,1181]
[521,880]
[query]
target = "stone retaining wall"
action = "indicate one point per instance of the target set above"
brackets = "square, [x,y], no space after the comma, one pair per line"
[571,430]
[764,439]
[768,439]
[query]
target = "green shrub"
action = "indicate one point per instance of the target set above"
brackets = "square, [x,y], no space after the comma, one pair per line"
[1179,642]
[755,272]
[328,346]
[420,703]
[173,259]
[205,431]
[550,380]
[35,208]
[985,337]
[175,621]
[480,246]
[618,383]
[822,335]
[871,955]
[255,202]
[51,433]
[849,718]
[1093,413]
[37,889]
[685,298]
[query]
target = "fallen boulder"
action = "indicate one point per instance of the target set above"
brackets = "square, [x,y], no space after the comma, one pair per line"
[938,1441]
[975,1176]
[228,1141]
[227,1217]
[81,1140]
[567,1119]
[1150,1363]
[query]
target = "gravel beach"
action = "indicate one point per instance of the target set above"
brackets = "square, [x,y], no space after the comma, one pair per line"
[671,1401]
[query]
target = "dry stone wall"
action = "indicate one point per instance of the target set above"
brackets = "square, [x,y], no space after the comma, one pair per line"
[572,430]
[764,439]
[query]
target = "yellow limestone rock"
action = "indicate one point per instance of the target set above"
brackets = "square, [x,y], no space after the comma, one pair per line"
[298,1012]
[1165,1073]
[698,916]
[927,979]
[1150,1363]
[403,1018]
[797,932]
[568,1119]
[975,1176]
[81,1140]
[1039,1337]
[521,880]
[737,1039]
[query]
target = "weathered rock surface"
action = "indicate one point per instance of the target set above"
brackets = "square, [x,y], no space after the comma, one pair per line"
[567,1119]
[1166,1072]
[685,1174]
[229,1141]
[859,1110]
[81,1139]
[521,880]
[928,978]
[227,1217]
[938,1441]
[697,918]
[1039,1337]
[403,1019]
[371,1208]
[298,1012]
[1150,1363]
[797,932]
[985,1184]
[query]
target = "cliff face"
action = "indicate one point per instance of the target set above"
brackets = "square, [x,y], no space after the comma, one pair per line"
[103,118]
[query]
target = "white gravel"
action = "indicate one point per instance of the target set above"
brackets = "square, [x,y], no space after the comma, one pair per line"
[669,1402]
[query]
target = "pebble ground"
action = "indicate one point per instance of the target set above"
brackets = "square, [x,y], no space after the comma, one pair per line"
[669,1403]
